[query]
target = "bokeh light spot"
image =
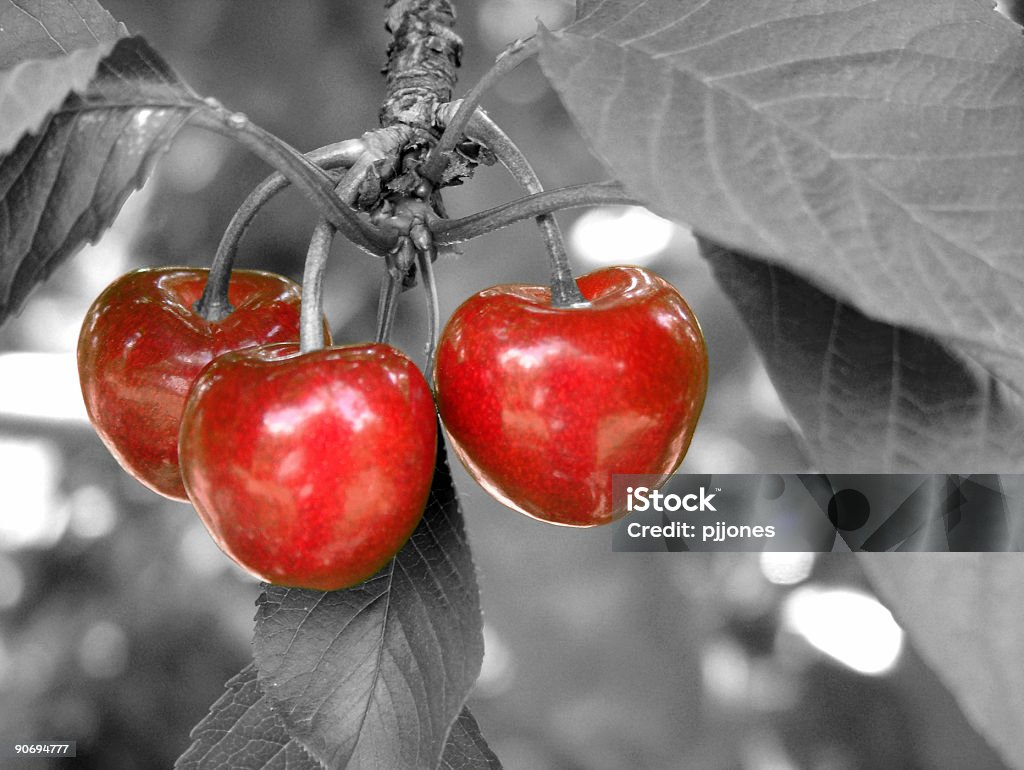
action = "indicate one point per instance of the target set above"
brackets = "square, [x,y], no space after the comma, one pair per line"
[93,512]
[497,669]
[725,673]
[195,161]
[21,395]
[848,626]
[786,569]
[33,513]
[502,21]
[12,582]
[620,235]
[103,650]
[200,554]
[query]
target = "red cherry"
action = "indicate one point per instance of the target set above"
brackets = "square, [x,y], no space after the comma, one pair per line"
[142,346]
[310,470]
[544,404]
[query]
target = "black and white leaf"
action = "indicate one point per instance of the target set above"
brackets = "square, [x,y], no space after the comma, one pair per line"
[875,148]
[63,185]
[870,397]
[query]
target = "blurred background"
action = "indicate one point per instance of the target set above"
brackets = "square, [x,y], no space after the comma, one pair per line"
[120,620]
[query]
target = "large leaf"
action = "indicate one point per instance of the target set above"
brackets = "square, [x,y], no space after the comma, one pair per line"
[962,613]
[876,148]
[376,675]
[62,187]
[48,49]
[242,731]
[870,397]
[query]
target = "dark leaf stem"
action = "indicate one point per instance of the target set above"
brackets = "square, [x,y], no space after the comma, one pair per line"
[214,305]
[520,51]
[449,231]
[401,262]
[311,336]
[313,182]
[564,291]
[425,261]
[311,329]
[390,289]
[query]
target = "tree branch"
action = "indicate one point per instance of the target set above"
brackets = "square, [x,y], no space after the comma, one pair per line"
[422,58]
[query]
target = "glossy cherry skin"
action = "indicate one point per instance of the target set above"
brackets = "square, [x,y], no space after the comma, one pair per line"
[310,470]
[544,404]
[142,345]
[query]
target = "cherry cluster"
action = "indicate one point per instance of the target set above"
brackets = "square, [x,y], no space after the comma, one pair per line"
[312,469]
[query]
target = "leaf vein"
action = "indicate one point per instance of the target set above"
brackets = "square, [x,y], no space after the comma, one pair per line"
[39,21]
[380,650]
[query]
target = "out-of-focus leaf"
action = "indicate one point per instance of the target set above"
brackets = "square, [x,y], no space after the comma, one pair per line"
[876,148]
[870,397]
[376,675]
[583,7]
[48,49]
[466,748]
[61,188]
[242,731]
[962,614]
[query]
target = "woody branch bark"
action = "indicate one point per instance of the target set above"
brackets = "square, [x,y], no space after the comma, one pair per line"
[422,59]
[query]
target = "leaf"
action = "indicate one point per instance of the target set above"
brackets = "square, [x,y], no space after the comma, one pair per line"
[875,148]
[466,748]
[242,731]
[583,7]
[62,187]
[48,49]
[870,397]
[961,612]
[375,676]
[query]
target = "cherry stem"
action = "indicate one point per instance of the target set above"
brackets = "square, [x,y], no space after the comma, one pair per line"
[214,305]
[425,261]
[437,159]
[314,183]
[400,261]
[311,330]
[564,290]
[390,289]
[311,326]
[449,231]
